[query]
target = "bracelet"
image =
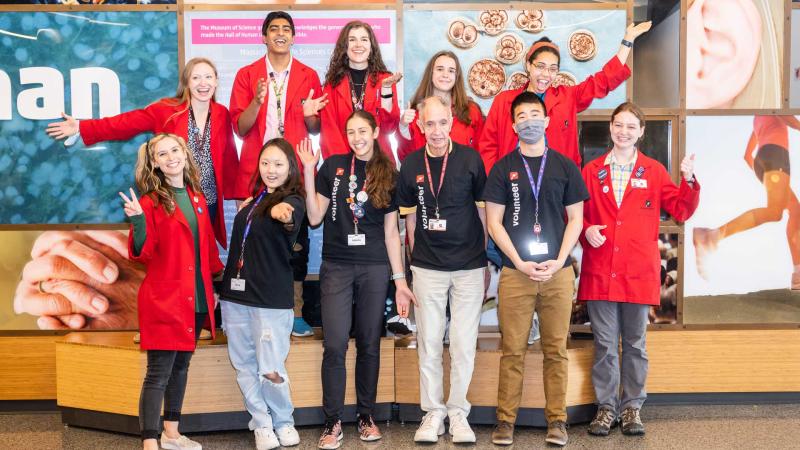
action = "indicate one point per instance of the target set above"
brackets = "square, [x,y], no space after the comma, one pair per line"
[627,43]
[391,94]
[398,276]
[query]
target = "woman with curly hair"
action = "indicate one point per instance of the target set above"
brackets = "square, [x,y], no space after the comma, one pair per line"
[357,80]
[170,232]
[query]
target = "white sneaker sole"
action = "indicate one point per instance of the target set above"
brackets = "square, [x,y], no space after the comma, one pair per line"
[430,439]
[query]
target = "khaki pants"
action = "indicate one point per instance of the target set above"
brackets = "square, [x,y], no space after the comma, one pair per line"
[552,299]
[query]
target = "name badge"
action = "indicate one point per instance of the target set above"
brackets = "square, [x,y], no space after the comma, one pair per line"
[356,239]
[437,225]
[237,284]
[639,183]
[538,248]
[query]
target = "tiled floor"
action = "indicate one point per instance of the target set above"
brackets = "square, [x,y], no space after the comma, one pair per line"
[739,427]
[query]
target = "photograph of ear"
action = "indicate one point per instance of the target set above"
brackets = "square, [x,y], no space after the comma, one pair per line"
[734,54]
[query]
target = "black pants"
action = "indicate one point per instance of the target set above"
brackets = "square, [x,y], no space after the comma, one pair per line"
[164,383]
[342,288]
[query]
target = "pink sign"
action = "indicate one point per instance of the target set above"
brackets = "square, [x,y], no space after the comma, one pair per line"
[308,31]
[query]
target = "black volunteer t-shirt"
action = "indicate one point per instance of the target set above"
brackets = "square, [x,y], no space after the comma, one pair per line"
[266,270]
[461,245]
[562,185]
[331,182]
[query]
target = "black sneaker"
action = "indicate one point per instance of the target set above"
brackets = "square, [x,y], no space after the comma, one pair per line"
[603,422]
[631,422]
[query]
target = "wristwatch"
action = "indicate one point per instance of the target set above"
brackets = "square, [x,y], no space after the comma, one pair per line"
[397,276]
[627,43]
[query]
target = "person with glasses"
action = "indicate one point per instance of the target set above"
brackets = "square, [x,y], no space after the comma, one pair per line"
[563,103]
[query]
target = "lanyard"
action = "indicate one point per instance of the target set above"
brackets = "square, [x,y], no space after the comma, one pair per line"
[358,101]
[435,193]
[240,263]
[356,201]
[535,188]
[278,95]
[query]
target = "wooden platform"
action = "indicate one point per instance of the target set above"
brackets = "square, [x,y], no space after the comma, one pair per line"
[99,377]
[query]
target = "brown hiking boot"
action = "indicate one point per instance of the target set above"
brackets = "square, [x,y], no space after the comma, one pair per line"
[631,422]
[557,433]
[603,422]
[503,433]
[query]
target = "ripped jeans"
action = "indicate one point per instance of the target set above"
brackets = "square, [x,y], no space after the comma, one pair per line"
[258,345]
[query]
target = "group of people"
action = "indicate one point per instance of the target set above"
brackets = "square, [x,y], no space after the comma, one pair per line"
[512,178]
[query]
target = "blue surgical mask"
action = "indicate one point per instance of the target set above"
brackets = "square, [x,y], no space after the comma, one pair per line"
[531,130]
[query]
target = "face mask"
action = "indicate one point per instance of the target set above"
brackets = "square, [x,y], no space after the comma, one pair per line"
[531,130]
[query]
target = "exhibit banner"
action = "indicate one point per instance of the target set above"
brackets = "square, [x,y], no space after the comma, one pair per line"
[734,54]
[491,46]
[67,280]
[233,39]
[88,65]
[742,246]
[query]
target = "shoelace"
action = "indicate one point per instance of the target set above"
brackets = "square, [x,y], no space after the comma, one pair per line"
[426,420]
[329,426]
[458,421]
[562,426]
[365,421]
[631,415]
[605,417]
[503,426]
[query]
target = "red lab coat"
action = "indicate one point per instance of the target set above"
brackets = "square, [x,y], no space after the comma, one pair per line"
[627,267]
[302,79]
[461,133]
[339,108]
[166,296]
[164,117]
[563,103]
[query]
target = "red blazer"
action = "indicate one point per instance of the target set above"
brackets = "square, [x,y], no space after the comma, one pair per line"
[626,268]
[166,296]
[461,133]
[164,117]
[334,116]
[302,79]
[563,103]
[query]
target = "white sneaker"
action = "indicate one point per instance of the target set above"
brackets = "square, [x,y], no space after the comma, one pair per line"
[460,429]
[288,436]
[180,443]
[266,439]
[534,335]
[431,427]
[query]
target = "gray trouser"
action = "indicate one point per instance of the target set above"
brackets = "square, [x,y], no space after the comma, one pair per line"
[610,320]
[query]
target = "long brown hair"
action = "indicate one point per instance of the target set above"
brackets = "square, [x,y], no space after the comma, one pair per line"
[381,171]
[339,62]
[458,95]
[292,186]
[152,182]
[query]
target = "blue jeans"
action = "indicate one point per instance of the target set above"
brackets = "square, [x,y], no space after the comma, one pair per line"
[258,345]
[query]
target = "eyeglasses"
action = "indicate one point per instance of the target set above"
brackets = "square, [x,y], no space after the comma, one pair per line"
[541,67]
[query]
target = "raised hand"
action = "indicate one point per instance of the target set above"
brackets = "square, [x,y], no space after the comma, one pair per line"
[131,206]
[282,212]
[261,92]
[64,129]
[687,167]
[392,80]
[306,153]
[312,106]
[408,115]
[634,31]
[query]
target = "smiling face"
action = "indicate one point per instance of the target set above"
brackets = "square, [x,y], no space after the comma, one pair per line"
[273,167]
[435,122]
[358,46]
[169,157]
[279,38]
[542,71]
[444,73]
[361,137]
[202,82]
[626,130]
